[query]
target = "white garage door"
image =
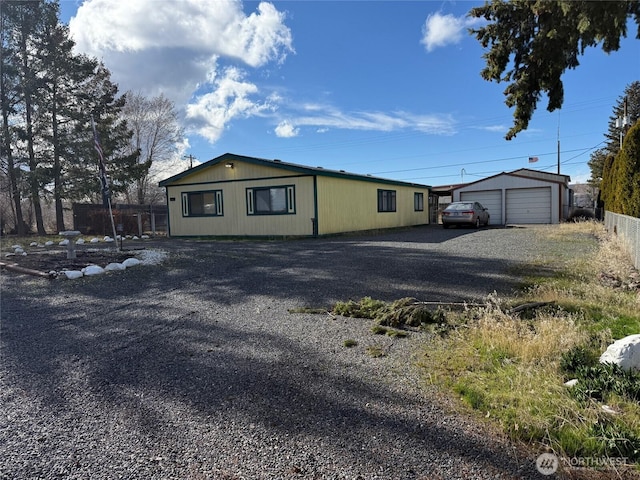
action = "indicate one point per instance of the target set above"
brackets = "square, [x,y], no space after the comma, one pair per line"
[529,205]
[490,199]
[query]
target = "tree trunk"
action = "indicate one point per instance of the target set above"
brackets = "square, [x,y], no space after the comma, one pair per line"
[57,170]
[34,188]
[11,169]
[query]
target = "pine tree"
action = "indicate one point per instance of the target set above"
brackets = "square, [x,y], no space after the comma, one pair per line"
[630,99]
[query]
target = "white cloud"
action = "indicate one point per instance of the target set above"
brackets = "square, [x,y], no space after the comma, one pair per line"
[198,26]
[325,117]
[286,130]
[442,30]
[495,128]
[174,47]
[230,98]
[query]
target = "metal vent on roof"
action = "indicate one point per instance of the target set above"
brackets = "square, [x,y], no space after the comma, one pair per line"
[277,160]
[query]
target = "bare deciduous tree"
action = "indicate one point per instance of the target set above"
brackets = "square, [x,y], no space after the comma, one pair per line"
[156,134]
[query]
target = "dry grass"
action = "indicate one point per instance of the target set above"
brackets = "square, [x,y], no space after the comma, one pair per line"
[507,367]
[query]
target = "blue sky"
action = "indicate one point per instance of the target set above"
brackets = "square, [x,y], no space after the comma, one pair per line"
[388,88]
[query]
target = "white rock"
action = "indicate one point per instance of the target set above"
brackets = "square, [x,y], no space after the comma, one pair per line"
[92,270]
[10,254]
[145,237]
[18,251]
[115,266]
[108,239]
[24,254]
[624,353]
[131,262]
[80,241]
[48,243]
[72,274]
[608,409]
[33,244]
[571,383]
[16,246]
[94,240]
[64,242]
[135,237]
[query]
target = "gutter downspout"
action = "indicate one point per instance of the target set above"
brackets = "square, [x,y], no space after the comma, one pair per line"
[315,228]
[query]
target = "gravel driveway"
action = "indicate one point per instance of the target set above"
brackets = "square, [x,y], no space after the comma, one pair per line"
[195,368]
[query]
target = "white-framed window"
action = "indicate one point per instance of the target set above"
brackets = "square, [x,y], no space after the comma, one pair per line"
[202,204]
[418,201]
[279,200]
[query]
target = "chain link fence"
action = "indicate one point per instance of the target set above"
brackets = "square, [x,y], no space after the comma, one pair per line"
[628,229]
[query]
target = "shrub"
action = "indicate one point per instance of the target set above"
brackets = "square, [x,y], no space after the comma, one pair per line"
[576,358]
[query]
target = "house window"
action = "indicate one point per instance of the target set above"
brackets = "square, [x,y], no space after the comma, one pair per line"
[386,200]
[202,204]
[271,200]
[418,202]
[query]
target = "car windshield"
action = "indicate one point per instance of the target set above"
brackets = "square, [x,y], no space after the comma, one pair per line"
[460,206]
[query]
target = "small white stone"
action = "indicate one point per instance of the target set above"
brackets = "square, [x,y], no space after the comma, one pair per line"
[48,243]
[571,383]
[131,262]
[114,266]
[94,240]
[64,242]
[72,274]
[92,270]
[80,241]
[33,244]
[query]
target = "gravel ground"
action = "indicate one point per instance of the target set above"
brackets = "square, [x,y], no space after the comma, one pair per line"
[195,368]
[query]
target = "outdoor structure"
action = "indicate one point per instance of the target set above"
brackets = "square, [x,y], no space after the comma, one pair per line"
[234,195]
[520,197]
[92,219]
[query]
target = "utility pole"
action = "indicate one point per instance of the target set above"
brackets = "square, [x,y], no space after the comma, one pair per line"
[621,123]
[191,158]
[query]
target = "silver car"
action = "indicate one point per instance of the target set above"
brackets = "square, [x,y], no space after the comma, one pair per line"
[465,213]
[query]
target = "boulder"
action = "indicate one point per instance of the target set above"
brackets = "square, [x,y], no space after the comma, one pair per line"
[624,353]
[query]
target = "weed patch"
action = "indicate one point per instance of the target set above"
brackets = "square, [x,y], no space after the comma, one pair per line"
[401,313]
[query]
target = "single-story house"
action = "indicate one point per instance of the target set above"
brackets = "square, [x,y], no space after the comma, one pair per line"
[234,195]
[523,196]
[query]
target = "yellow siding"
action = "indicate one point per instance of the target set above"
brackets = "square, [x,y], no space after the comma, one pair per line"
[343,204]
[240,170]
[235,221]
[346,205]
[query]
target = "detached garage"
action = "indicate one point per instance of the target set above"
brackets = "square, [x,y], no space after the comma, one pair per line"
[520,197]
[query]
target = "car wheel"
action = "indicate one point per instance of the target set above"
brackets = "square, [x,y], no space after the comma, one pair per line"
[487,224]
[477,224]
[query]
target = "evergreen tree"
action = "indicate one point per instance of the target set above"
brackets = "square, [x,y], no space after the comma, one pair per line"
[539,40]
[630,99]
[9,79]
[628,173]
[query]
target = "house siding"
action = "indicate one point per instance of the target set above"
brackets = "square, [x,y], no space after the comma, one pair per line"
[235,220]
[326,201]
[348,206]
